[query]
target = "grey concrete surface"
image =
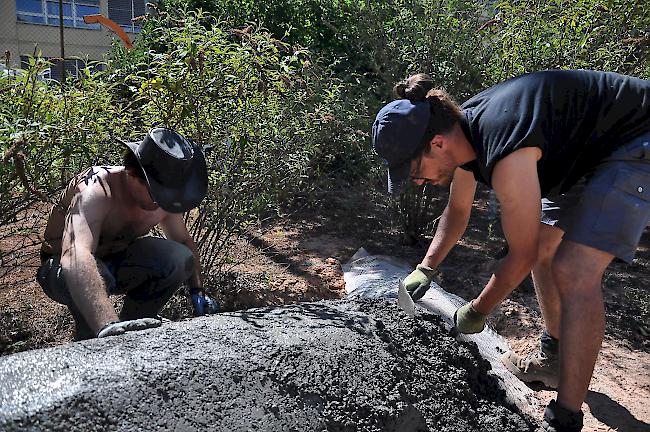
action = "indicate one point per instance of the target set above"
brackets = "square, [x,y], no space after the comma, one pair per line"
[348,365]
[378,276]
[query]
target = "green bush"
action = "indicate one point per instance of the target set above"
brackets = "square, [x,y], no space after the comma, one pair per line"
[274,122]
[47,134]
[281,120]
[467,46]
[327,27]
[526,36]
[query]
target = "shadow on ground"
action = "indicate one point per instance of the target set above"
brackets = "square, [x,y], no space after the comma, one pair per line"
[613,414]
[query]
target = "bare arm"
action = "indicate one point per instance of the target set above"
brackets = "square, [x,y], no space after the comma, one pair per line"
[454,218]
[174,228]
[516,184]
[80,238]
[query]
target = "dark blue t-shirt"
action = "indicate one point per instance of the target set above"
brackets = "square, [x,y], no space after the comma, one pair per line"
[576,118]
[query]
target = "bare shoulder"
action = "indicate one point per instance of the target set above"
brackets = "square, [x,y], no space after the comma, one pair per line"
[96,187]
[97,179]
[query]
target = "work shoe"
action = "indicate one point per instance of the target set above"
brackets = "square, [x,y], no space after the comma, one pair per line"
[559,419]
[534,367]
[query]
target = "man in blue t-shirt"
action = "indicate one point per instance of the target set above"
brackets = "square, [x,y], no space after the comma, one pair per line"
[534,136]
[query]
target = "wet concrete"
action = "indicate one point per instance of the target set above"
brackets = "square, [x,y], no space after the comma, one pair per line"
[349,365]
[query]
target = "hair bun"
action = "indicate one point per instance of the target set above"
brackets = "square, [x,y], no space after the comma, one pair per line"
[414,88]
[400,89]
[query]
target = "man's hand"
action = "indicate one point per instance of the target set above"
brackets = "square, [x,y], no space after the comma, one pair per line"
[202,304]
[467,320]
[419,281]
[120,327]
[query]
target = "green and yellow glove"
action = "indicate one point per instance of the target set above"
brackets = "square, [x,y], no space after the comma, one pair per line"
[419,281]
[467,320]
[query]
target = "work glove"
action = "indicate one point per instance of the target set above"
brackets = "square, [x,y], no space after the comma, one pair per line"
[119,327]
[202,304]
[467,320]
[419,281]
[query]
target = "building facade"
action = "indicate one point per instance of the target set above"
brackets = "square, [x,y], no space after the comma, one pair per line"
[30,27]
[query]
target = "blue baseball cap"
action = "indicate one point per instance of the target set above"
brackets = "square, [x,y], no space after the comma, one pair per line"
[397,135]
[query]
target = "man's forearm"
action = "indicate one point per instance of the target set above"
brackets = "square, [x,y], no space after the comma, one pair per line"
[87,288]
[196,280]
[509,274]
[451,227]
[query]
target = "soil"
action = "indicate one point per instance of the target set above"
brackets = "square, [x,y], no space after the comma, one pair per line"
[340,366]
[297,258]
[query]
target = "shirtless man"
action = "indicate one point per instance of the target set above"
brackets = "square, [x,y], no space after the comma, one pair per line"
[534,136]
[95,242]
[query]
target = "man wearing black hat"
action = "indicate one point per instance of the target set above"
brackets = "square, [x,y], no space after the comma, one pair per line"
[95,242]
[534,136]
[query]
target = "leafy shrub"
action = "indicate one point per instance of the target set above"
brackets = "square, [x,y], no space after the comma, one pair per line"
[47,134]
[526,36]
[273,121]
[467,46]
[279,124]
[327,27]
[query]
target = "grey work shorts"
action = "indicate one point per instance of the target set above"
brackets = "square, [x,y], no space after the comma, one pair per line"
[610,209]
[149,269]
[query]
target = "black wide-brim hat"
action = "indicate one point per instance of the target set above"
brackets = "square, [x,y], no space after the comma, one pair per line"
[174,169]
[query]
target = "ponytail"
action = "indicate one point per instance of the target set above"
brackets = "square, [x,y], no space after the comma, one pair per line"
[445,112]
[414,88]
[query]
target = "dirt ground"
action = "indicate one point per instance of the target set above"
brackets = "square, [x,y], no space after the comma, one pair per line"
[298,258]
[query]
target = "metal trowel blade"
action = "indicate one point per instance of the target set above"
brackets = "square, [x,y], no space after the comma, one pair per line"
[404,300]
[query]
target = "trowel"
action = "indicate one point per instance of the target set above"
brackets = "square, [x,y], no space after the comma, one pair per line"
[404,300]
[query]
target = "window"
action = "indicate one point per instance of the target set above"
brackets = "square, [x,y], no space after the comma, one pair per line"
[124,11]
[47,12]
[72,67]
